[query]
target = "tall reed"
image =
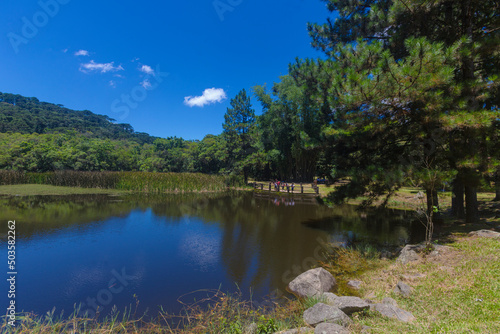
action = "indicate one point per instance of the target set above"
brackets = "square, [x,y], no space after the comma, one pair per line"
[132,181]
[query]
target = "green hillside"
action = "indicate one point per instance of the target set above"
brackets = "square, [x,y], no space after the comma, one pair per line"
[27,115]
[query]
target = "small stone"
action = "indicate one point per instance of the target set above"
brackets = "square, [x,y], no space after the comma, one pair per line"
[251,329]
[356,285]
[411,277]
[350,305]
[312,283]
[389,301]
[485,234]
[408,254]
[392,312]
[325,313]
[327,328]
[403,289]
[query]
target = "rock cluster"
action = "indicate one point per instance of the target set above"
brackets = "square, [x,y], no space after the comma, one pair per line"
[331,315]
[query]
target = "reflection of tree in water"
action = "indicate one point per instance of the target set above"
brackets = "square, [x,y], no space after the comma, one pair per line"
[262,244]
[50,214]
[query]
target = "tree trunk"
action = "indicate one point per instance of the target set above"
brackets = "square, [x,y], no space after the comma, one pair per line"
[245,175]
[497,186]
[457,199]
[472,206]
[432,201]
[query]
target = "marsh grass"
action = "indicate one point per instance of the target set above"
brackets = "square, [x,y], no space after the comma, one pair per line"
[128,181]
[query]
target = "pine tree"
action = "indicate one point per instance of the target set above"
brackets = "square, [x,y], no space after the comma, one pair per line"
[239,125]
[470,27]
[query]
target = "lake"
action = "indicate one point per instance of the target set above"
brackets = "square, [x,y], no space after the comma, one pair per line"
[144,251]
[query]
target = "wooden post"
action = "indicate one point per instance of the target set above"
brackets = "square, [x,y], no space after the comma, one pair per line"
[301,188]
[269,187]
[262,186]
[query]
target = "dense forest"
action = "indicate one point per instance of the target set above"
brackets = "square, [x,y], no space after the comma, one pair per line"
[406,92]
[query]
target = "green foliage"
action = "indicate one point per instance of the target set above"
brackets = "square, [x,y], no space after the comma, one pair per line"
[290,129]
[239,131]
[311,301]
[412,88]
[266,325]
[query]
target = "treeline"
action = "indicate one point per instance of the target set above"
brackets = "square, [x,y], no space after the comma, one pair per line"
[84,152]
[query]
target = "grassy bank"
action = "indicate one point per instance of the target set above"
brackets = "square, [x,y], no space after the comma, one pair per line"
[459,291]
[455,292]
[126,181]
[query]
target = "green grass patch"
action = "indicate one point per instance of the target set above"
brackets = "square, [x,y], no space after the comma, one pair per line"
[460,292]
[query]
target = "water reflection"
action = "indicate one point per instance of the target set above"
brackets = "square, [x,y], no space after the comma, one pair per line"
[70,248]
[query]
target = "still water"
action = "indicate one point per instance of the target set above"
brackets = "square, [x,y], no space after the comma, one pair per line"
[100,251]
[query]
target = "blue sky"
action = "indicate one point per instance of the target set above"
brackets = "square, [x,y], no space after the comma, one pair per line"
[169,68]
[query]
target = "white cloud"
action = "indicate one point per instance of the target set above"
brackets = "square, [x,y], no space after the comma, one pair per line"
[112,83]
[147,69]
[100,67]
[146,84]
[210,95]
[82,53]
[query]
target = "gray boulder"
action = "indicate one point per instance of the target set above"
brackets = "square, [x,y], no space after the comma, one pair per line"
[485,234]
[325,313]
[327,328]
[349,305]
[392,312]
[312,283]
[329,298]
[409,254]
[403,289]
